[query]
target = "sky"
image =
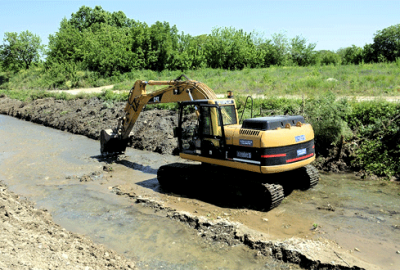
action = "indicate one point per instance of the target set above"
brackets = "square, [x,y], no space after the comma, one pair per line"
[329,24]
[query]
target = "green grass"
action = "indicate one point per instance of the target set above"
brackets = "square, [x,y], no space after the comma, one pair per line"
[29,95]
[349,80]
[382,79]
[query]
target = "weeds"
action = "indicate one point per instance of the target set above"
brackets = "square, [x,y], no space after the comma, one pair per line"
[346,80]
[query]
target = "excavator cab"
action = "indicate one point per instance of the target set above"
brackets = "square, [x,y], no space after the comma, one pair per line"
[201,127]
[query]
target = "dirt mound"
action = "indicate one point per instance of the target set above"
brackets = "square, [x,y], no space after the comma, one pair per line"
[29,239]
[152,132]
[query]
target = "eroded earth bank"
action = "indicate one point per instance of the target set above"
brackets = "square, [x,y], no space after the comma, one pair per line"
[343,223]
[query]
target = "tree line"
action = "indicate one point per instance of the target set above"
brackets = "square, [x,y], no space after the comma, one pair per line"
[111,44]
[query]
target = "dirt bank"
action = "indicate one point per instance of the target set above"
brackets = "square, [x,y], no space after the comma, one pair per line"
[153,130]
[29,239]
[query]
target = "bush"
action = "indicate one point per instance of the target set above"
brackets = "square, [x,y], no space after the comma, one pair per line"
[378,137]
[327,115]
[328,58]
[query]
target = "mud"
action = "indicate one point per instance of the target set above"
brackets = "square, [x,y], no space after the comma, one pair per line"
[30,239]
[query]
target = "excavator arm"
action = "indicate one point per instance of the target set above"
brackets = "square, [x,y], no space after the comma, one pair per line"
[115,140]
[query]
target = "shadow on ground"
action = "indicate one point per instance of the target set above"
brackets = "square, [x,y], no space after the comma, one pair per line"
[119,160]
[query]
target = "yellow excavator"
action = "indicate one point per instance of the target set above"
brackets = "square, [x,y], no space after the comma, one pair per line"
[209,132]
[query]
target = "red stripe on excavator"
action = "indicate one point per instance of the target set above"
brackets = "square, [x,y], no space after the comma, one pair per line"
[272,156]
[299,158]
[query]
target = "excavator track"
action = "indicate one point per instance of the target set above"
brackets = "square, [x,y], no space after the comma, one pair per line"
[175,175]
[273,195]
[309,177]
[185,178]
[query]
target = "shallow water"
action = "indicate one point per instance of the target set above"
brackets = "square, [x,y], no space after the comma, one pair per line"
[44,165]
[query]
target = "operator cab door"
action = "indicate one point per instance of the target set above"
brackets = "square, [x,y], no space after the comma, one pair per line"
[211,131]
[205,136]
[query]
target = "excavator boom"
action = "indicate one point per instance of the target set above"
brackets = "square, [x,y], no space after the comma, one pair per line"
[115,140]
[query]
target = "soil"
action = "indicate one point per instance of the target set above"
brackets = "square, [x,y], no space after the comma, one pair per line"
[29,239]
[152,132]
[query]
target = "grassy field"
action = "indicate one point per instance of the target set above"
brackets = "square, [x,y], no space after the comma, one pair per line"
[350,80]
[381,79]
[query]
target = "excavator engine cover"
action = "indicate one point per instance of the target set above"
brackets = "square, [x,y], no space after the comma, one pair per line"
[111,143]
[272,122]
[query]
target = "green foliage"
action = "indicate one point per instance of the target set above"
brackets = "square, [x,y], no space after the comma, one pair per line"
[112,44]
[109,95]
[301,53]
[20,50]
[386,45]
[107,50]
[229,48]
[327,115]
[351,55]
[280,50]
[328,58]
[378,127]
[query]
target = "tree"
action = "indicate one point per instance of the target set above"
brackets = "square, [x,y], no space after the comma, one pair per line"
[281,48]
[20,50]
[369,54]
[164,43]
[325,57]
[65,45]
[108,50]
[229,48]
[302,54]
[386,44]
[351,55]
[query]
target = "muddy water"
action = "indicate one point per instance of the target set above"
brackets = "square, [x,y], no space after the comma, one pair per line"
[46,166]
[365,220]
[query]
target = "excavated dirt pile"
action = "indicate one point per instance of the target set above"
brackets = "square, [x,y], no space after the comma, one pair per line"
[152,132]
[29,239]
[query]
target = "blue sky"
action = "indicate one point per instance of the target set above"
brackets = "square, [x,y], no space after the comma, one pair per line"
[330,24]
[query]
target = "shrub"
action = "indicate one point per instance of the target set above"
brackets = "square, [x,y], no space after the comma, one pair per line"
[378,137]
[326,115]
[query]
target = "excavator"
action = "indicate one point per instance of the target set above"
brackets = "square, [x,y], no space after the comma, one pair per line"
[262,152]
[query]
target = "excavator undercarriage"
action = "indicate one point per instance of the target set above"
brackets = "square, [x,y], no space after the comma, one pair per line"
[256,191]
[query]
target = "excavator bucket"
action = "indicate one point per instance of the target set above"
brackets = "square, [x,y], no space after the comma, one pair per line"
[110,143]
